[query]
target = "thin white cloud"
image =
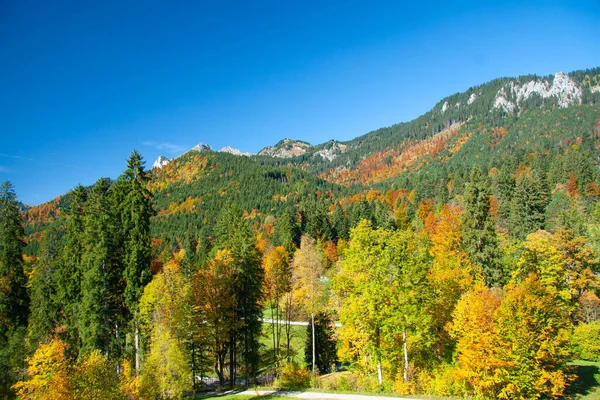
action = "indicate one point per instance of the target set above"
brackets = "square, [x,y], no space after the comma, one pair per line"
[3,169]
[168,147]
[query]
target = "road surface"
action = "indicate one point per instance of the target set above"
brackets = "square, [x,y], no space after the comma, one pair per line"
[318,396]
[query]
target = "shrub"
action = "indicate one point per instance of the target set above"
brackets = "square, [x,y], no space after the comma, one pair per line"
[294,377]
[585,341]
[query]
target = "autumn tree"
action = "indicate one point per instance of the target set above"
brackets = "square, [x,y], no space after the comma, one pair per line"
[276,265]
[48,374]
[235,234]
[533,342]
[308,268]
[213,303]
[473,327]
[163,320]
[450,276]
[382,290]
[563,263]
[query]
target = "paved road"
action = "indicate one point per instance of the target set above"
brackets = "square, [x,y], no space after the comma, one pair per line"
[319,396]
[302,323]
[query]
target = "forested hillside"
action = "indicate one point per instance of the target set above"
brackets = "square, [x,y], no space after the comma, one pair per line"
[460,252]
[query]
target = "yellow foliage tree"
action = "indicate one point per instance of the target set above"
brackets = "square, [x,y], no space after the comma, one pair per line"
[308,269]
[94,377]
[450,276]
[533,342]
[474,329]
[164,313]
[277,282]
[48,374]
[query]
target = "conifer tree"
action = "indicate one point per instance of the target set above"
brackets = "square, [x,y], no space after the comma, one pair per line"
[97,265]
[45,311]
[235,234]
[135,216]
[14,299]
[528,205]
[68,270]
[479,233]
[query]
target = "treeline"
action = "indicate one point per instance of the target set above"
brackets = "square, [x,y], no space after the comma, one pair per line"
[438,297]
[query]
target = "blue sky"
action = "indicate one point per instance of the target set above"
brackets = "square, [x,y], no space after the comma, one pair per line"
[82,84]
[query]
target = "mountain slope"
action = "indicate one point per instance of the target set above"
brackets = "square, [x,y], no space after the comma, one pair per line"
[512,124]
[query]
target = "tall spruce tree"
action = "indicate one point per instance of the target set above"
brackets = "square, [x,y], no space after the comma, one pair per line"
[528,207]
[98,261]
[45,311]
[479,232]
[14,299]
[135,218]
[68,270]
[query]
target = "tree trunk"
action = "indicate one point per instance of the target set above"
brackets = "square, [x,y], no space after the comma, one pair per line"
[273,326]
[314,353]
[379,372]
[232,361]
[405,356]
[137,348]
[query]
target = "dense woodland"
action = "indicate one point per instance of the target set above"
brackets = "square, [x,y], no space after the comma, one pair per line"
[458,253]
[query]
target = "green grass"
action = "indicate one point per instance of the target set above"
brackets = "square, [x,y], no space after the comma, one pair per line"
[298,338]
[586,386]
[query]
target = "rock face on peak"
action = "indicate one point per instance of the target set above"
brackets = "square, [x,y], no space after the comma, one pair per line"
[160,162]
[563,89]
[286,148]
[235,152]
[331,150]
[202,147]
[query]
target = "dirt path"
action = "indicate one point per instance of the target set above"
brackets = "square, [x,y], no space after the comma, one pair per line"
[319,396]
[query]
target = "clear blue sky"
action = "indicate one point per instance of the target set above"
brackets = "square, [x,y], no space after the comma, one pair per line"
[84,83]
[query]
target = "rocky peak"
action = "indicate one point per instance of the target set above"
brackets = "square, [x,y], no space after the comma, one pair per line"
[202,147]
[160,162]
[286,148]
[235,152]
[513,94]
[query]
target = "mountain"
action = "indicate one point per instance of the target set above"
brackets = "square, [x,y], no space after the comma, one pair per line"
[286,148]
[160,162]
[507,127]
[235,152]
[468,115]
[202,147]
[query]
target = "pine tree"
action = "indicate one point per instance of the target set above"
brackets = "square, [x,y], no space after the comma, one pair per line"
[135,216]
[479,233]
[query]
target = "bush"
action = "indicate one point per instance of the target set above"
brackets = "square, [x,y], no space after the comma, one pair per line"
[294,377]
[585,341]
